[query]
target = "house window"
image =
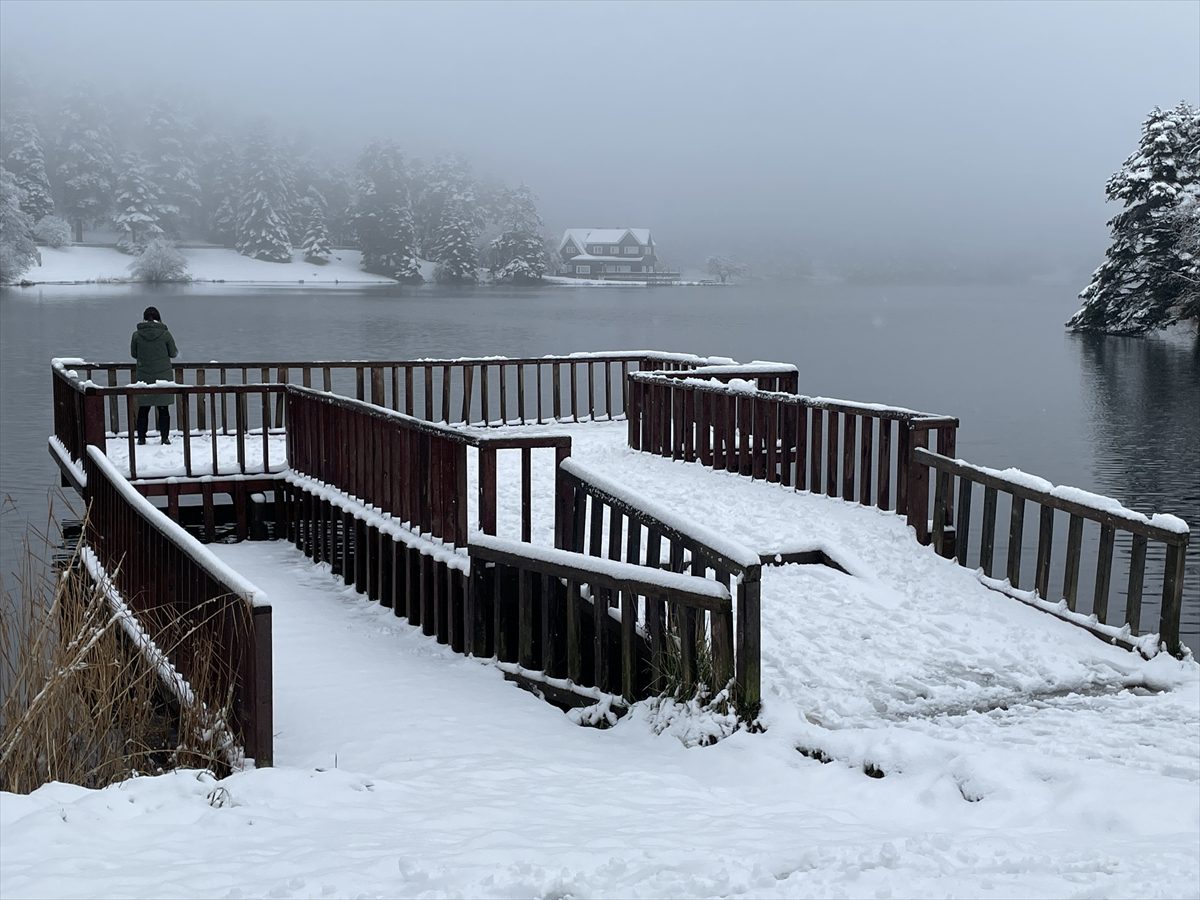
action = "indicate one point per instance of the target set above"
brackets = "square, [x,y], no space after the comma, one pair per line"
[614,250]
[631,251]
[583,270]
[617,269]
[595,249]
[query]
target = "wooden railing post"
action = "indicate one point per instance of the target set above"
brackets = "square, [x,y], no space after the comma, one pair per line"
[487,489]
[749,643]
[1172,597]
[916,484]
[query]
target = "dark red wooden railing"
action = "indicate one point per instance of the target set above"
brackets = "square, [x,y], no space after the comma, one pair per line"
[837,447]
[185,600]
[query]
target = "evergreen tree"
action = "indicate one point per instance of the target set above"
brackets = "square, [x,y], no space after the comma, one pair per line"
[316,238]
[518,255]
[85,162]
[456,245]
[1148,278]
[261,231]
[17,249]
[443,188]
[218,172]
[25,160]
[382,218]
[173,169]
[138,211]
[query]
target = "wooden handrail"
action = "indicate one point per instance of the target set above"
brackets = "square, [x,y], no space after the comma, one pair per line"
[549,623]
[180,593]
[1173,533]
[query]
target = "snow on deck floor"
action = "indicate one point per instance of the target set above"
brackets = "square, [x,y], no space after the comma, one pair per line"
[1023,756]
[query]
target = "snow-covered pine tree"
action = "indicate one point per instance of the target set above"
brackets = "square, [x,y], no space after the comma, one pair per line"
[85,162]
[138,213]
[456,245]
[381,216]
[218,174]
[316,246]
[261,231]
[17,249]
[518,255]
[26,161]
[445,183]
[173,169]
[1147,278]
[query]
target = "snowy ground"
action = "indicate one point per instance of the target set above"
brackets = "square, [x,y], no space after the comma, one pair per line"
[1022,757]
[79,265]
[154,460]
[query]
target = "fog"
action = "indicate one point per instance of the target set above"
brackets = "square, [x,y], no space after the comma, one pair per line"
[969,136]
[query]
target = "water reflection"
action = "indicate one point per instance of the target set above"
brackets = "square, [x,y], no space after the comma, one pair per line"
[1142,397]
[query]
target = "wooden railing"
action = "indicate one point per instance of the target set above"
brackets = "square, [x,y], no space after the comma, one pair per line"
[855,451]
[475,390]
[86,414]
[601,509]
[530,606]
[184,599]
[955,484]
[413,470]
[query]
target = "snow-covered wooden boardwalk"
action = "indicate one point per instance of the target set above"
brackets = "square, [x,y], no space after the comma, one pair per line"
[924,734]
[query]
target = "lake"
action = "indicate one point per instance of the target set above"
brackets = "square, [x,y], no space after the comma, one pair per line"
[1118,416]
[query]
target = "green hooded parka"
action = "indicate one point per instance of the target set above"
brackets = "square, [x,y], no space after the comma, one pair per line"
[153,348]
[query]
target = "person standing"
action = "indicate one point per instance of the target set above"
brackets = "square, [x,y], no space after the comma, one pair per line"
[153,348]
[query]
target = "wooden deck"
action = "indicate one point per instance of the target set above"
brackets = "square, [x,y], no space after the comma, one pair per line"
[404,476]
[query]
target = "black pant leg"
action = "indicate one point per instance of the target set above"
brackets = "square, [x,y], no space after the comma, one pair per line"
[143,421]
[164,420]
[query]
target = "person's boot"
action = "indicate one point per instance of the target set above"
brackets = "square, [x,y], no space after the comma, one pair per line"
[141,439]
[165,439]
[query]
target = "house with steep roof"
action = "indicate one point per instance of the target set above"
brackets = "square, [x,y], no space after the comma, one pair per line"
[623,254]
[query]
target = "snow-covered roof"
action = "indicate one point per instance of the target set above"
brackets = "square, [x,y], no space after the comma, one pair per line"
[587,257]
[583,236]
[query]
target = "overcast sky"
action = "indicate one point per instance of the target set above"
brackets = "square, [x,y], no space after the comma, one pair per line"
[973,130]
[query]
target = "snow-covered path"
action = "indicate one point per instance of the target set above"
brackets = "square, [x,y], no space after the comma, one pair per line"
[1022,756]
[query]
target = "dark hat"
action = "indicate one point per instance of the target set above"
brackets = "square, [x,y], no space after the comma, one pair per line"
[151,314]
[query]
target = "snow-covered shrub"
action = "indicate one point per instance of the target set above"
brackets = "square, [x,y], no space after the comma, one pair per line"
[160,262]
[13,264]
[52,231]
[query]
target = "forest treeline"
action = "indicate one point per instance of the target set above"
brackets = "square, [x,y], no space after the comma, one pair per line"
[156,173]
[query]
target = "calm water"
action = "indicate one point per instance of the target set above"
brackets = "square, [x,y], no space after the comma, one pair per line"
[1118,416]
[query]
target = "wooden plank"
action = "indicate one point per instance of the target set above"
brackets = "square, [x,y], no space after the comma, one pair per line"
[1172,598]
[525,619]
[883,488]
[574,392]
[591,385]
[628,635]
[574,641]
[467,380]
[801,448]
[608,392]
[941,488]
[865,459]
[987,544]
[503,367]
[831,454]
[615,521]
[1016,528]
[1103,574]
[521,393]
[595,527]
[849,439]
[487,490]
[1137,572]
[1041,577]
[816,451]
[600,634]
[556,391]
[427,409]
[446,383]
[962,530]
[1071,566]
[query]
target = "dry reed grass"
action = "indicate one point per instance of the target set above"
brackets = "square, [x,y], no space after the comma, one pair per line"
[89,700]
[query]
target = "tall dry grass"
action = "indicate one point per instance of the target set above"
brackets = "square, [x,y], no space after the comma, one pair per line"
[88,700]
